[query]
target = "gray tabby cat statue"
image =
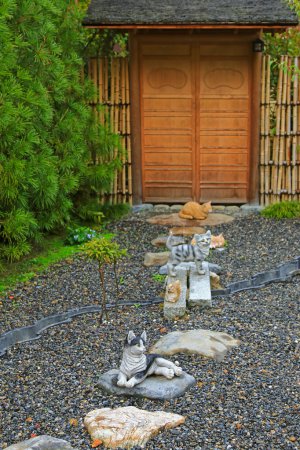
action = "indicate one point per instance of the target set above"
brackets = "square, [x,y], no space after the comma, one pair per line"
[136,366]
[188,252]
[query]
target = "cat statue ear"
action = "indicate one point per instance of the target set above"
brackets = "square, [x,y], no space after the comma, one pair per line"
[144,336]
[130,336]
[208,233]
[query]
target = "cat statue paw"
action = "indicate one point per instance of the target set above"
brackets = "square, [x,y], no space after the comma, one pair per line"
[136,366]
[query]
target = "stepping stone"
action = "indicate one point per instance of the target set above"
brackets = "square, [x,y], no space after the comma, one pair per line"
[162,240]
[43,442]
[174,220]
[156,259]
[187,231]
[154,387]
[177,309]
[129,426]
[211,344]
[200,291]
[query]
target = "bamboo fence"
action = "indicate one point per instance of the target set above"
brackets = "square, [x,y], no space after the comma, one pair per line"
[280,133]
[111,105]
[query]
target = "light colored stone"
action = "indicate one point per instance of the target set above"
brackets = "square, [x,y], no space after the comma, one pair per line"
[187,231]
[142,208]
[155,387]
[161,208]
[156,259]
[214,281]
[200,292]
[175,221]
[43,442]
[161,241]
[176,208]
[249,208]
[129,426]
[163,270]
[232,209]
[218,207]
[177,309]
[211,344]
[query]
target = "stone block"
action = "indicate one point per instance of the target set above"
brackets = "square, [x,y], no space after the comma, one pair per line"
[177,309]
[142,208]
[176,208]
[156,259]
[200,292]
[161,208]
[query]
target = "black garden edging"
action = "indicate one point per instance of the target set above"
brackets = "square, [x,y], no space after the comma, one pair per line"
[284,272]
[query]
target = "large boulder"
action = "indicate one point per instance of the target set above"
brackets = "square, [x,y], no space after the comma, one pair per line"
[154,387]
[43,442]
[129,426]
[211,344]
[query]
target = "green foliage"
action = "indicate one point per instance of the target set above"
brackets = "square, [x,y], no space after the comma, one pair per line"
[114,212]
[283,210]
[103,250]
[50,143]
[80,235]
[284,43]
[158,278]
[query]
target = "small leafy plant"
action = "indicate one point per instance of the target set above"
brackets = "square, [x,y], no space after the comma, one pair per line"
[104,251]
[282,210]
[80,235]
[158,278]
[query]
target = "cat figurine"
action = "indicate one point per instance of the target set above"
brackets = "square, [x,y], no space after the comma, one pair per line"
[217,241]
[188,252]
[193,210]
[173,292]
[136,366]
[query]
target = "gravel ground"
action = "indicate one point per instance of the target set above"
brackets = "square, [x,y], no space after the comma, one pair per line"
[248,401]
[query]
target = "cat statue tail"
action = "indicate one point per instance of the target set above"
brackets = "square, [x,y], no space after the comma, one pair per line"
[169,243]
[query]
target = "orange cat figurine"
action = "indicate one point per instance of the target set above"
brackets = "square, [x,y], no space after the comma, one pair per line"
[217,241]
[193,210]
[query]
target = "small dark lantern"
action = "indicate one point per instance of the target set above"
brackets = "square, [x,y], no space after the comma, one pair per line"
[258,46]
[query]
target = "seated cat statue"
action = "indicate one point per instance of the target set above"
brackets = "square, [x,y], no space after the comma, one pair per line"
[196,252]
[193,210]
[136,366]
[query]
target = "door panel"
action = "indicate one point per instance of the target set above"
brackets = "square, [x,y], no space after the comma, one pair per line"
[167,124]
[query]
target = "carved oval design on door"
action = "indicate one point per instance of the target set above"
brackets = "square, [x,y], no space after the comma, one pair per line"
[162,77]
[220,78]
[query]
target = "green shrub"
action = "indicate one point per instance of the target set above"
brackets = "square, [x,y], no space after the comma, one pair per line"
[283,210]
[50,142]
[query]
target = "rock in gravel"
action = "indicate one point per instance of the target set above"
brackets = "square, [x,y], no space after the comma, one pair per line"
[211,344]
[154,387]
[156,259]
[129,426]
[43,442]
[174,220]
[187,231]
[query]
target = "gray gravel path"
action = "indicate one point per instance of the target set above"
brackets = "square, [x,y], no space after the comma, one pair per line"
[248,401]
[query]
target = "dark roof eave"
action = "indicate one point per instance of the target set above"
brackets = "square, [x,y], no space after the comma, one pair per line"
[264,25]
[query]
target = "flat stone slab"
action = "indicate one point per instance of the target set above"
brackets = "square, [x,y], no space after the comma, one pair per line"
[156,259]
[211,344]
[43,442]
[175,221]
[187,231]
[129,426]
[154,387]
[200,291]
[177,309]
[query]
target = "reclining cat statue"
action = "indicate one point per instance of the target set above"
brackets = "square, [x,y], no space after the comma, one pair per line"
[136,366]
